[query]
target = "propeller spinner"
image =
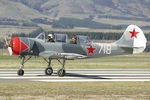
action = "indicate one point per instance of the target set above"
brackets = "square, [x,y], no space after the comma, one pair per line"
[16,46]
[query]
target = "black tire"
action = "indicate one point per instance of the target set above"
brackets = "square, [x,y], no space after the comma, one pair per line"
[61,72]
[20,72]
[49,71]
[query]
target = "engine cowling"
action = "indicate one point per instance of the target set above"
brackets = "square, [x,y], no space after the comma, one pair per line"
[18,46]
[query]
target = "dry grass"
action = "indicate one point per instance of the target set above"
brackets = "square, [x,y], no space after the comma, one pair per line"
[121,22]
[5,30]
[75,91]
[74,97]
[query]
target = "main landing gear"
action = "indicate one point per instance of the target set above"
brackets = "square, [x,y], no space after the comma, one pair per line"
[61,72]
[48,71]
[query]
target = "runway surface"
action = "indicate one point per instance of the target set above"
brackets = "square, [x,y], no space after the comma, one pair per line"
[78,75]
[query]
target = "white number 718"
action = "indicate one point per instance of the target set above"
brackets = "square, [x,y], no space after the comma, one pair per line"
[106,49]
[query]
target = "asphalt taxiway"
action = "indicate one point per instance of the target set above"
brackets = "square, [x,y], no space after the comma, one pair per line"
[78,75]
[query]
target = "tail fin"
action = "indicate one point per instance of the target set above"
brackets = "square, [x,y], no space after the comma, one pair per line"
[134,38]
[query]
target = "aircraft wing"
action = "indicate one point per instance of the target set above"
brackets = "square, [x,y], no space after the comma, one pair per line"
[54,54]
[73,56]
[49,54]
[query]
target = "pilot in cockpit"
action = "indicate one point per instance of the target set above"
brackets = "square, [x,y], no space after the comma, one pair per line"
[50,38]
[74,39]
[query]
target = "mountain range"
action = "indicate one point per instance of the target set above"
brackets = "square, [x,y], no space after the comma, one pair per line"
[103,14]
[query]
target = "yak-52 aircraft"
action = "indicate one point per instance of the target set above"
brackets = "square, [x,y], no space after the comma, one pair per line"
[133,41]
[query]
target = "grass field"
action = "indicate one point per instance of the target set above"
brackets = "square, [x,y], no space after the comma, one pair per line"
[139,61]
[75,91]
[22,90]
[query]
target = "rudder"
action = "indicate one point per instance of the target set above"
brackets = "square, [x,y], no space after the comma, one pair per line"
[134,38]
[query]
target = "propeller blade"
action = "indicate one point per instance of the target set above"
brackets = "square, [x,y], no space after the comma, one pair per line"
[10,51]
[6,42]
[8,47]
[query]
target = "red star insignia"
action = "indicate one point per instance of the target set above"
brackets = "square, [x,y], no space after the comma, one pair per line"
[133,33]
[91,49]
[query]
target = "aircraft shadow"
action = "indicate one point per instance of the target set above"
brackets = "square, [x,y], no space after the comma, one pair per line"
[81,76]
[85,76]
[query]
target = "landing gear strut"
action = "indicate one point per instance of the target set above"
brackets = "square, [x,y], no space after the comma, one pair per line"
[61,72]
[20,72]
[49,69]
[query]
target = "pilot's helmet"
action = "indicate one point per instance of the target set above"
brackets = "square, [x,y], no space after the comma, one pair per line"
[50,35]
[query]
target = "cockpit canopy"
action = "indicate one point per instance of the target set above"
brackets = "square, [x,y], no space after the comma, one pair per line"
[82,39]
[60,37]
[63,38]
[41,36]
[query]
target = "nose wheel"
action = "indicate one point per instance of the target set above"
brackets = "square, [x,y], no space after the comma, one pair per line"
[20,72]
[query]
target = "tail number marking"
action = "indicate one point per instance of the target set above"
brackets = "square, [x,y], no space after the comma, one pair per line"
[106,49]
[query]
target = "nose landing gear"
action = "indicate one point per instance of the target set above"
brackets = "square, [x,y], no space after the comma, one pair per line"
[20,72]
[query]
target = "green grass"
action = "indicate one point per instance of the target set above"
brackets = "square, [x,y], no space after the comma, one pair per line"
[139,61]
